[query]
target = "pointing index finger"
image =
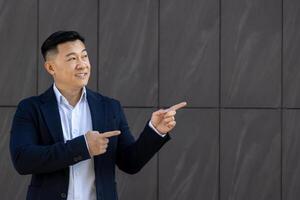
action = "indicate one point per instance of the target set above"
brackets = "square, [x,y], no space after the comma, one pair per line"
[111,134]
[178,106]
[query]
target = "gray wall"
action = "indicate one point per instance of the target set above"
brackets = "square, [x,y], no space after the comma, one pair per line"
[235,62]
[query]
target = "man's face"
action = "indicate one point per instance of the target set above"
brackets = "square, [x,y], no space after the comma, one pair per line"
[70,66]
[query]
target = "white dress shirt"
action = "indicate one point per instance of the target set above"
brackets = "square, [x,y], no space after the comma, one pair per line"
[77,121]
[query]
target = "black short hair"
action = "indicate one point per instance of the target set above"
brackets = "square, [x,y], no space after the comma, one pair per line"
[59,37]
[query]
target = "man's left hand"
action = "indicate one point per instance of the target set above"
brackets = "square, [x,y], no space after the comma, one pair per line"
[164,119]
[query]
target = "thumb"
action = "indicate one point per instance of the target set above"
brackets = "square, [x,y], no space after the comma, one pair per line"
[160,112]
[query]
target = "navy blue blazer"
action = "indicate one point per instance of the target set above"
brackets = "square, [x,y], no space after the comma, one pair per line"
[37,146]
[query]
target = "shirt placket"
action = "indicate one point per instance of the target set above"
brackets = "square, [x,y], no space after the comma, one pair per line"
[67,110]
[75,133]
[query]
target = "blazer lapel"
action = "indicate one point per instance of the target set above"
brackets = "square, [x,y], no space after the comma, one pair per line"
[97,109]
[51,115]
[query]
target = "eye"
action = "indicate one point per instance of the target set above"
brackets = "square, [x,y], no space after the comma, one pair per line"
[72,58]
[85,56]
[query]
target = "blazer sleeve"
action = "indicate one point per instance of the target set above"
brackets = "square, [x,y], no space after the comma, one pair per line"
[30,157]
[133,155]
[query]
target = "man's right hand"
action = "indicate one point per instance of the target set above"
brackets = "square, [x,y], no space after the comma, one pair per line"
[97,143]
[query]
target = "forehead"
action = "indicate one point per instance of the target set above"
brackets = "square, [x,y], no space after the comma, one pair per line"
[75,46]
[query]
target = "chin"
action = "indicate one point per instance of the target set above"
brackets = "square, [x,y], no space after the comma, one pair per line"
[81,84]
[84,84]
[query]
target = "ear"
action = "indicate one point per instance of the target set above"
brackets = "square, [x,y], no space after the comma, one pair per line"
[49,66]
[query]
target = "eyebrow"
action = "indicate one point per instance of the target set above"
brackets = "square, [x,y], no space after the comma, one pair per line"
[73,53]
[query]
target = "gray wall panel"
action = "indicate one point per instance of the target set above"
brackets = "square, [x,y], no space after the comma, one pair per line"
[250,155]
[128,51]
[18,50]
[142,185]
[251,56]
[291,49]
[291,152]
[188,164]
[189,52]
[81,16]
[12,185]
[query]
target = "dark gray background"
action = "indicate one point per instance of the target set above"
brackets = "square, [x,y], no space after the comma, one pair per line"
[235,62]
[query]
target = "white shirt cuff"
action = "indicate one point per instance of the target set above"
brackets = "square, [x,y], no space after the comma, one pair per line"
[151,126]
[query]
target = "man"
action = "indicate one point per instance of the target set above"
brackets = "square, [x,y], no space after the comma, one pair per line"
[70,138]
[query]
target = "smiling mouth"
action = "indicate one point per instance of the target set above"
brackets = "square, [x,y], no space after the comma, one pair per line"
[81,75]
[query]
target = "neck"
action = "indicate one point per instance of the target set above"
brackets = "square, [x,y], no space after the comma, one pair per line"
[72,95]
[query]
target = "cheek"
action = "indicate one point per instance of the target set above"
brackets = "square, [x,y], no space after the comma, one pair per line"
[65,72]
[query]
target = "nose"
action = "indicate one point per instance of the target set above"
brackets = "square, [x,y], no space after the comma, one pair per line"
[81,64]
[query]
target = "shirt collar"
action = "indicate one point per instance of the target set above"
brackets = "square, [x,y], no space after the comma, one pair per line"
[61,99]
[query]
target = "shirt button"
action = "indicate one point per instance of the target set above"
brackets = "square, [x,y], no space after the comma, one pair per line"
[63,195]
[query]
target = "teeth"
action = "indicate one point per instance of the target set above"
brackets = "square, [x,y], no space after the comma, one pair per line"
[81,75]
